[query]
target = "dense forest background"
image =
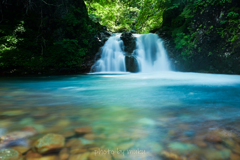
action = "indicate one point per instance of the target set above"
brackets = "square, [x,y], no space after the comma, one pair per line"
[63,36]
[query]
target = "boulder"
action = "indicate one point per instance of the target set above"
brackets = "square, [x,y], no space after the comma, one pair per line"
[131,64]
[129,42]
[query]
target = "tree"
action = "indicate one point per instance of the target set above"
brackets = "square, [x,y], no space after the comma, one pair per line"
[37,34]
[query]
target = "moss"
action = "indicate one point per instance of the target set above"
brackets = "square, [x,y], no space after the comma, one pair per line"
[201,38]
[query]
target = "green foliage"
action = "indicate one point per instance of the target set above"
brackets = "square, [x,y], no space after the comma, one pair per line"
[204,35]
[205,3]
[150,16]
[122,15]
[9,42]
[52,35]
[187,12]
[232,29]
[59,33]
[69,53]
[185,41]
[142,15]
[232,15]
[116,15]
[187,36]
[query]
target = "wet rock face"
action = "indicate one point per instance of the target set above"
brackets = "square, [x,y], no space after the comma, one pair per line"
[102,37]
[129,42]
[99,41]
[131,64]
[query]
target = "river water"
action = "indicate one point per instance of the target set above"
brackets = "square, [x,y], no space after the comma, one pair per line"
[162,114]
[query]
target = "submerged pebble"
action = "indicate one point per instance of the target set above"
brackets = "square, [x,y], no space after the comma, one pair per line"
[165,134]
[48,143]
[83,130]
[147,121]
[213,138]
[171,156]
[182,148]
[212,154]
[10,154]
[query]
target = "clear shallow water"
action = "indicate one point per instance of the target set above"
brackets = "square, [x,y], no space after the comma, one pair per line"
[160,113]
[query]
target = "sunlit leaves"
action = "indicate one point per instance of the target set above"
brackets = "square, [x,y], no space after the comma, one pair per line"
[116,15]
[9,42]
[119,15]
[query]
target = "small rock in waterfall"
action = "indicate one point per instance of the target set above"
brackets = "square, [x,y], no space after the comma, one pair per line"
[131,64]
[129,42]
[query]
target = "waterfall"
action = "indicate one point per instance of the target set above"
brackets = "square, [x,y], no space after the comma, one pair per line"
[150,55]
[112,57]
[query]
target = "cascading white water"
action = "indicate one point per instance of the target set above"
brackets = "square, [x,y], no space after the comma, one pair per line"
[150,54]
[112,57]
